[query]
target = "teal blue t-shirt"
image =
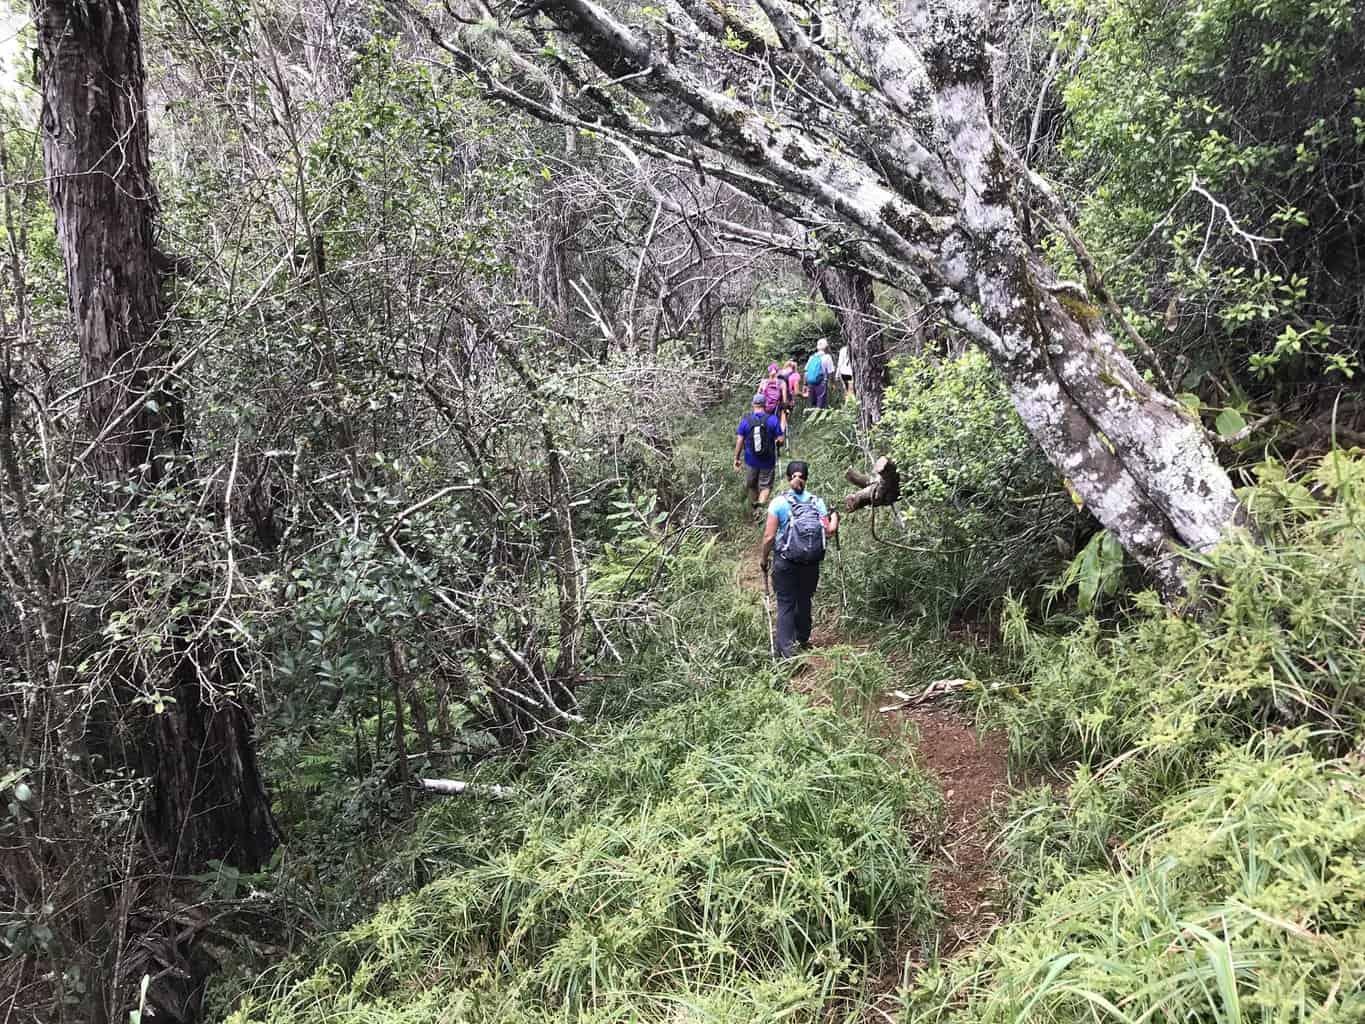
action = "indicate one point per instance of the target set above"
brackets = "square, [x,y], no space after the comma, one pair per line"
[778,506]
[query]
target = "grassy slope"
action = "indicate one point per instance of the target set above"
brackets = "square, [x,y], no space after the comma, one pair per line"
[717,850]
[1205,862]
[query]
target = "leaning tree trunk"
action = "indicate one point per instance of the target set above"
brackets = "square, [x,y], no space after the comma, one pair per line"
[1142,464]
[848,294]
[207,798]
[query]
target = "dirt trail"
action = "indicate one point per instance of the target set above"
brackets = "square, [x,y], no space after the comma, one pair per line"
[970,768]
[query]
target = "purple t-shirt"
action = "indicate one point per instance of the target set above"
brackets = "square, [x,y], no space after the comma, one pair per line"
[745,426]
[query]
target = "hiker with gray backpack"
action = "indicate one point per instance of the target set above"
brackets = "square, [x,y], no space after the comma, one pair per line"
[793,545]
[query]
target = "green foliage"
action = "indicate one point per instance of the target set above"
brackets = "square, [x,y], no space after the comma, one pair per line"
[1241,902]
[1140,710]
[785,325]
[738,848]
[1258,104]
[1203,862]
[1095,572]
[982,511]
[1278,643]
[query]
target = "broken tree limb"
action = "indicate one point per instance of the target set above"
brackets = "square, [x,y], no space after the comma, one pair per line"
[940,688]
[882,487]
[454,787]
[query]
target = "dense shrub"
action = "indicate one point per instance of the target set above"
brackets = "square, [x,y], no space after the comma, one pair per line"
[786,324]
[983,511]
[1253,105]
[1272,640]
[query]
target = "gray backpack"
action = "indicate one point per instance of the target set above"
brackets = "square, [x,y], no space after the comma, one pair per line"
[803,538]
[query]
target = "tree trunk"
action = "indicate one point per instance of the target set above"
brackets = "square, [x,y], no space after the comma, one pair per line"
[848,294]
[1141,463]
[208,800]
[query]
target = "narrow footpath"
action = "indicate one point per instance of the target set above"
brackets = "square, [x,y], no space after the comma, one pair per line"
[970,768]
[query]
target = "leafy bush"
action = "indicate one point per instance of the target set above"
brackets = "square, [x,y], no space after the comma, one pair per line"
[1260,105]
[738,849]
[1277,644]
[785,326]
[982,510]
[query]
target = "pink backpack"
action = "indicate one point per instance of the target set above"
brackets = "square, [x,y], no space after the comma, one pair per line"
[772,395]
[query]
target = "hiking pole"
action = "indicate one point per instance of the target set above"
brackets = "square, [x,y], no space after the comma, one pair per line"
[768,614]
[843,586]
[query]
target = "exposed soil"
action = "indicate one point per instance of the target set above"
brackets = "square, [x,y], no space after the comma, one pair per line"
[970,769]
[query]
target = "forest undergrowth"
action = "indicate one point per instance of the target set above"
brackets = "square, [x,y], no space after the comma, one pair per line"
[714,846]
[726,839]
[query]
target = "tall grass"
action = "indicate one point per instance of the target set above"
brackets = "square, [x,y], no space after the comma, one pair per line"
[707,847]
[1204,860]
[1241,902]
[738,846]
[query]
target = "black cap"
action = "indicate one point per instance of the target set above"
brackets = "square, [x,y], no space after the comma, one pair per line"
[797,466]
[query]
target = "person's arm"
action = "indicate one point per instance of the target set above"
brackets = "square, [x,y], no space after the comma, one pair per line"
[780,435]
[739,446]
[830,519]
[769,536]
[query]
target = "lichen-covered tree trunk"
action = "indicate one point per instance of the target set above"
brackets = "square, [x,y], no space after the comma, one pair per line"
[1141,463]
[207,799]
[848,294]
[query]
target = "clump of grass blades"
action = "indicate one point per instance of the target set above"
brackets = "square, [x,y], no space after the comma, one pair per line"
[1242,902]
[692,628]
[739,849]
[1141,709]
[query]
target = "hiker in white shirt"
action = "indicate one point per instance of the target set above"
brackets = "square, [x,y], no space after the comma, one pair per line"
[846,370]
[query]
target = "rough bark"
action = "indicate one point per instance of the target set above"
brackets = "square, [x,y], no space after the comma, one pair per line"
[207,800]
[916,190]
[848,294]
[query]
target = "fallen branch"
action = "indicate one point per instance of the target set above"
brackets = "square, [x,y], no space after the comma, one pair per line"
[454,787]
[938,688]
[941,688]
[882,487]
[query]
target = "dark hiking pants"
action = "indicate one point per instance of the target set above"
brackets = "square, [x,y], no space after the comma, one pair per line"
[794,585]
[819,395]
